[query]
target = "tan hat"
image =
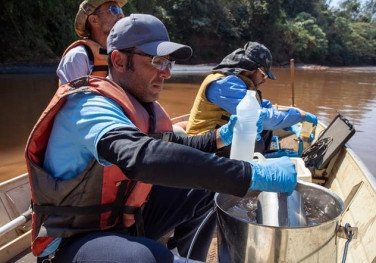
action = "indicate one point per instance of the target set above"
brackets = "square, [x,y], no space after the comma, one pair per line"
[86,8]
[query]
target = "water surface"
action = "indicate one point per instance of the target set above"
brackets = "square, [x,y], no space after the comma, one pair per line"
[322,91]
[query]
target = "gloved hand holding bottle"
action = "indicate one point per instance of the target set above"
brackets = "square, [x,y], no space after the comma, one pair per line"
[226,131]
[276,175]
[260,128]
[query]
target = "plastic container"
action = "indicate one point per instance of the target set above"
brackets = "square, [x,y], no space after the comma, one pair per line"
[280,209]
[303,172]
[245,130]
[305,132]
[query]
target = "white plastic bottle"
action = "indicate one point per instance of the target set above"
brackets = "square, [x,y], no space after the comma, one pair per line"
[245,129]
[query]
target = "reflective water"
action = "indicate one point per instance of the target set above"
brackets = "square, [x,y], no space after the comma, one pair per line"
[350,91]
[246,209]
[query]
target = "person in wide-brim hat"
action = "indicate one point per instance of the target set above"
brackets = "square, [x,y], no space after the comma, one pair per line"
[87,8]
[93,23]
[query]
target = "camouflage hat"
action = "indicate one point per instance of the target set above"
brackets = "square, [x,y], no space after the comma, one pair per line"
[261,55]
[252,56]
[86,8]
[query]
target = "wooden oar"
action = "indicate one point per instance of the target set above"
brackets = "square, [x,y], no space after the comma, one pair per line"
[292,72]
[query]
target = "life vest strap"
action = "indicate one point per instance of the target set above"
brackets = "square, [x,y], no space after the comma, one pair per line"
[71,210]
[100,68]
[121,198]
[164,136]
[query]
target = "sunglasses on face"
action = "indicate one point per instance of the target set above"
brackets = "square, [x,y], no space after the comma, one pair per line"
[158,62]
[113,9]
[265,76]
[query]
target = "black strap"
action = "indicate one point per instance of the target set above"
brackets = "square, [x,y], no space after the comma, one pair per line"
[149,108]
[89,53]
[164,136]
[140,226]
[118,203]
[102,51]
[100,68]
[71,210]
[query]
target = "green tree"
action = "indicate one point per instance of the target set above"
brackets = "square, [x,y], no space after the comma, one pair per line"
[306,30]
[39,34]
[305,39]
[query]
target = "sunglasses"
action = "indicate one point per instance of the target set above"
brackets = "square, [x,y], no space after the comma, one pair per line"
[265,76]
[158,62]
[114,10]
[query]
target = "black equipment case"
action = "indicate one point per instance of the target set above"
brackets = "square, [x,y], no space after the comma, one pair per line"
[329,143]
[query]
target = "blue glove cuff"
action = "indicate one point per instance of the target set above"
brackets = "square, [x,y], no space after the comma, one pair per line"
[277,175]
[309,117]
[256,180]
[226,131]
[224,135]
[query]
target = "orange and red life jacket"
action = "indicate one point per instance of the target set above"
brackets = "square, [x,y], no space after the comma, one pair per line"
[96,53]
[99,198]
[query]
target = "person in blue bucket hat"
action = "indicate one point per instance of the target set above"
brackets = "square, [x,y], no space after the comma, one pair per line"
[222,90]
[109,177]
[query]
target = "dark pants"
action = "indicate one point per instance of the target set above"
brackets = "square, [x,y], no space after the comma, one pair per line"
[182,210]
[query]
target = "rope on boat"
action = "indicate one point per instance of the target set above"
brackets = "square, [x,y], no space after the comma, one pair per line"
[314,154]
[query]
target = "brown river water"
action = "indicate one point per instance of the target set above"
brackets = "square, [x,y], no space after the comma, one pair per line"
[322,91]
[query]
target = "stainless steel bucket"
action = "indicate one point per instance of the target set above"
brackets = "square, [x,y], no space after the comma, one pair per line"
[241,239]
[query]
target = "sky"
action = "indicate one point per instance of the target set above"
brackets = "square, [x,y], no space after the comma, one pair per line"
[335,3]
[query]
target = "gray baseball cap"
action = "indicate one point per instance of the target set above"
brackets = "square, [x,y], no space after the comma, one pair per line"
[146,33]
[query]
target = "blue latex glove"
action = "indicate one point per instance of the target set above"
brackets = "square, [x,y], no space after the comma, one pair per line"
[263,113]
[295,129]
[266,104]
[309,117]
[277,175]
[226,131]
[311,137]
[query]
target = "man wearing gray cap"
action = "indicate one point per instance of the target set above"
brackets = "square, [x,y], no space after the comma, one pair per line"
[109,177]
[221,91]
[92,24]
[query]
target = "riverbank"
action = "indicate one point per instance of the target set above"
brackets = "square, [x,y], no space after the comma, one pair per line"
[28,68]
[50,67]
[179,69]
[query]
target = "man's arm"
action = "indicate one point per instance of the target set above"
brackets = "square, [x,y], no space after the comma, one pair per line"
[158,162]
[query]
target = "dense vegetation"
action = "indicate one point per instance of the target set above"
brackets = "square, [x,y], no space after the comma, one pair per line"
[307,30]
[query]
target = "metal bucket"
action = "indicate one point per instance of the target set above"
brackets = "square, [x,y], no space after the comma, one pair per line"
[241,239]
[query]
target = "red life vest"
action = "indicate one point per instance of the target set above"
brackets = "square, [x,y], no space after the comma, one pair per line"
[99,198]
